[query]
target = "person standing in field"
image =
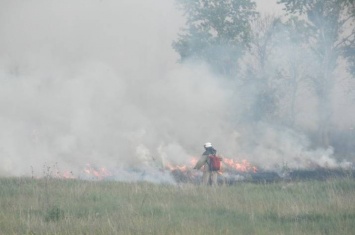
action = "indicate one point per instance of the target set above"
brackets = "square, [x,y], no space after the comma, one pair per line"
[210,163]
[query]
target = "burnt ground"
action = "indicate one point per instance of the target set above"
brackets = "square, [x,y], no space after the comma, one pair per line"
[231,178]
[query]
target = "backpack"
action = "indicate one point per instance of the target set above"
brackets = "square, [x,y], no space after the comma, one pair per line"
[214,163]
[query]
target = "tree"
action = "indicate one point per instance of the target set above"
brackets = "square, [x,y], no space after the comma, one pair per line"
[331,36]
[217,32]
[273,68]
[256,74]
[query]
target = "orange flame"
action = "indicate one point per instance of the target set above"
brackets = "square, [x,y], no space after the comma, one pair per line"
[183,168]
[243,166]
[98,173]
[227,164]
[66,175]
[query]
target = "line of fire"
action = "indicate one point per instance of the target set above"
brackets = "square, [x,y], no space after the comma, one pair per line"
[231,173]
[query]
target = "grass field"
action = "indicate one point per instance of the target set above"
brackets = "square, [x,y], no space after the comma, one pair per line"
[54,206]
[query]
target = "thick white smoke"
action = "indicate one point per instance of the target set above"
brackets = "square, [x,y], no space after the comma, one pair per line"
[96,81]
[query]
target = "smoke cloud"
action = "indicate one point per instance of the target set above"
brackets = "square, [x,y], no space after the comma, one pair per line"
[97,82]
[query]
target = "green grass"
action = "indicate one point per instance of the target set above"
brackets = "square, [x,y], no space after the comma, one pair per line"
[53,206]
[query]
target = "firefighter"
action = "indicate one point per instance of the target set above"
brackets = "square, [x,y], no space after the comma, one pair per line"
[208,174]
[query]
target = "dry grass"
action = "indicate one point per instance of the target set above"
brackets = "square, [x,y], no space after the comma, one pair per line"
[53,206]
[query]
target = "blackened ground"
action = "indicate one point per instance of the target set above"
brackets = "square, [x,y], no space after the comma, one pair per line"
[321,174]
[232,178]
[186,176]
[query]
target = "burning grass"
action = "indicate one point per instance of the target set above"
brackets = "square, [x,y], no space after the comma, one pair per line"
[58,206]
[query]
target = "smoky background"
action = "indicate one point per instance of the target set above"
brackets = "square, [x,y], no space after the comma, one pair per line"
[98,82]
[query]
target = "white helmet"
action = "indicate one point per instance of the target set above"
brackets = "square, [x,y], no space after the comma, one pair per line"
[207,145]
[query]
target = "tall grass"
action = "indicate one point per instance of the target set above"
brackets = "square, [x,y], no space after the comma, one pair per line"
[54,206]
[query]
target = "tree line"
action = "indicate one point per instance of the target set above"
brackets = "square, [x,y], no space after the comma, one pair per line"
[280,57]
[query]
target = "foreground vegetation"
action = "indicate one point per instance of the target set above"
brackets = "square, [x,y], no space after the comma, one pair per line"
[53,206]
